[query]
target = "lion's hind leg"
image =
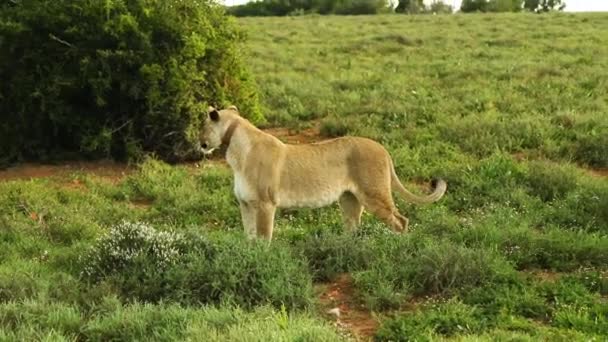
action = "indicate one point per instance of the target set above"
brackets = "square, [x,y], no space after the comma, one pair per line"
[383,207]
[351,211]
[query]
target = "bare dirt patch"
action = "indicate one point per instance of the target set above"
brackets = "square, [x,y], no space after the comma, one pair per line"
[115,171]
[351,316]
[598,172]
[104,169]
[290,136]
[546,275]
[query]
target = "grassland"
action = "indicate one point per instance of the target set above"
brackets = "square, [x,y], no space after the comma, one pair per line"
[512,110]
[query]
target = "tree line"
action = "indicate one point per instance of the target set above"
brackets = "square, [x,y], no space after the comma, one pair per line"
[354,7]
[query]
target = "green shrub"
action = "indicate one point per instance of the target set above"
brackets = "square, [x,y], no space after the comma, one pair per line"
[550,182]
[447,268]
[113,321]
[355,7]
[334,128]
[146,264]
[484,134]
[593,280]
[445,319]
[585,209]
[233,270]
[403,267]
[567,291]
[112,78]
[589,319]
[132,248]
[283,8]
[330,254]
[385,280]
[17,282]
[563,251]
[514,299]
[591,148]
[482,183]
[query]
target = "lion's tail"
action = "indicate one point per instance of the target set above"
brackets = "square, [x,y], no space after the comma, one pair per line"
[439,188]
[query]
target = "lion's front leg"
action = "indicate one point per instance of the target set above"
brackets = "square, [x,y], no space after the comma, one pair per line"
[265,219]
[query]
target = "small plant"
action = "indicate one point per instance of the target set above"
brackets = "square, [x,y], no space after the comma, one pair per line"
[332,128]
[129,246]
[230,269]
[550,182]
[330,254]
[592,318]
[447,268]
[445,319]
[148,265]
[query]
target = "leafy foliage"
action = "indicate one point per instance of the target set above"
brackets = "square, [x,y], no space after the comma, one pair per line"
[114,78]
[149,265]
[287,7]
[132,248]
[511,5]
[544,5]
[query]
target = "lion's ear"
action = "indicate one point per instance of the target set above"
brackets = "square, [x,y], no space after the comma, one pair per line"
[233,107]
[214,115]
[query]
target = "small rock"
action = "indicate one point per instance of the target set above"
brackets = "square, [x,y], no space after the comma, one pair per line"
[335,312]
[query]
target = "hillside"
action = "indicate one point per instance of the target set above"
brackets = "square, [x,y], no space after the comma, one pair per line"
[511,110]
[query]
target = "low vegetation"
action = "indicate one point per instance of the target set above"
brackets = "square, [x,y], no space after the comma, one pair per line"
[508,109]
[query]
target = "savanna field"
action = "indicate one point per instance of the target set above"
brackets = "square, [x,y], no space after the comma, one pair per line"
[510,109]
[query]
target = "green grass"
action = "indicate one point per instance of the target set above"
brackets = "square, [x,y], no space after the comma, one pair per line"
[509,109]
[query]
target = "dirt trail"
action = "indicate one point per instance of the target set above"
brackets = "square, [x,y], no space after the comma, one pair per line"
[103,168]
[598,172]
[289,136]
[115,171]
[350,316]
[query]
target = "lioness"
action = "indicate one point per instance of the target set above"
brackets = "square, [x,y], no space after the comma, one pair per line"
[269,174]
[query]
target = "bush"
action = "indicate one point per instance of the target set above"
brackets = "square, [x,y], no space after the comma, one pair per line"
[334,128]
[113,78]
[410,6]
[446,319]
[113,321]
[593,280]
[593,318]
[132,248]
[145,264]
[591,148]
[385,280]
[445,268]
[233,270]
[513,299]
[355,7]
[283,8]
[558,250]
[329,255]
[585,208]
[474,5]
[550,182]
[492,5]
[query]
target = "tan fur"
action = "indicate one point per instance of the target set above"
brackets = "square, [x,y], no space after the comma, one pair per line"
[268,174]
